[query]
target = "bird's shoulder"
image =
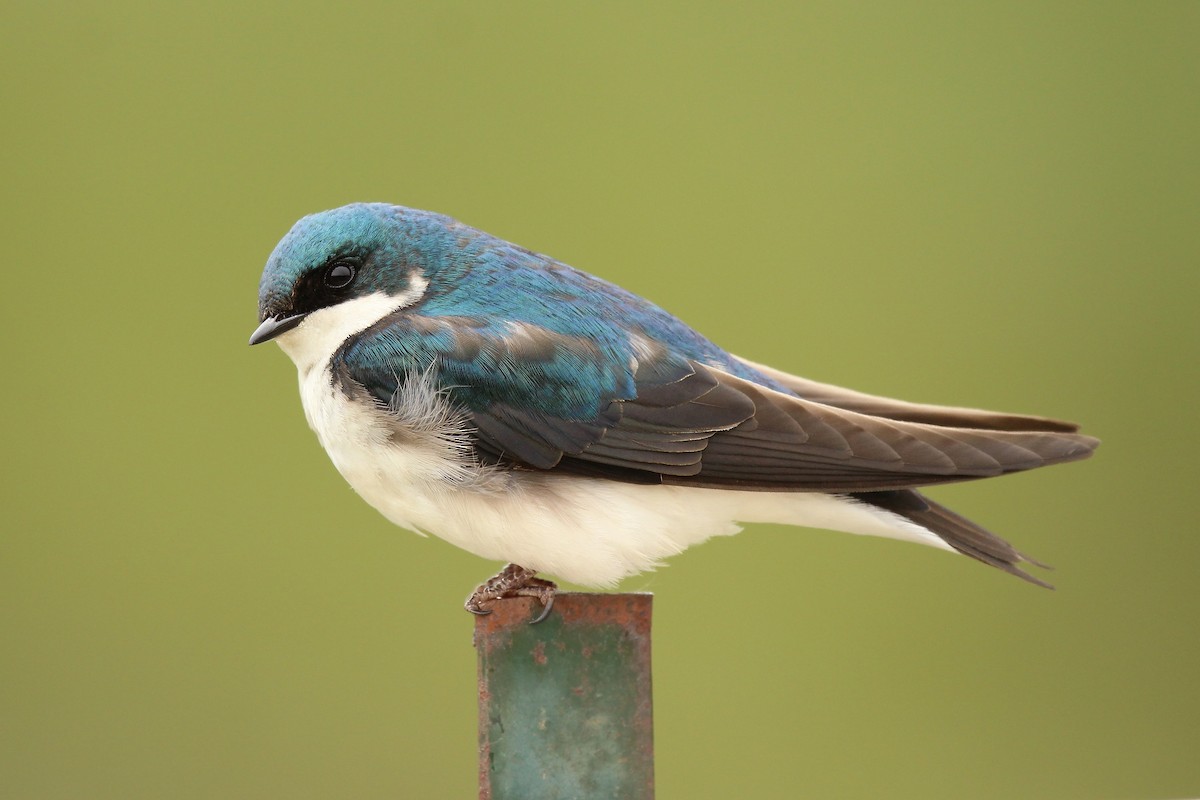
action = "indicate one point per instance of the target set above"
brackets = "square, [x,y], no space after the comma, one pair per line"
[480,358]
[522,328]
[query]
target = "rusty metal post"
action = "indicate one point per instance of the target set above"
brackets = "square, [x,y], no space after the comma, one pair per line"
[564,705]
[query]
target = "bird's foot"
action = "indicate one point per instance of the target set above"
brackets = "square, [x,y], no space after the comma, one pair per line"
[512,581]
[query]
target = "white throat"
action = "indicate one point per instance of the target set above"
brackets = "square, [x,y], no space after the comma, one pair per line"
[311,344]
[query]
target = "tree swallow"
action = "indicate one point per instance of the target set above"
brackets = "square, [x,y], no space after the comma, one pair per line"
[531,413]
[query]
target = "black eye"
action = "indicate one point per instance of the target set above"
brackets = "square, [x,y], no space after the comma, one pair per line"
[339,275]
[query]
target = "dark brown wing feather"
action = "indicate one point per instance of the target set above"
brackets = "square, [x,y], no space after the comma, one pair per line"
[736,434]
[876,406]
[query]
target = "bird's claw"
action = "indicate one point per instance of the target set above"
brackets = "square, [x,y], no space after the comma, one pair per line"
[546,598]
[512,581]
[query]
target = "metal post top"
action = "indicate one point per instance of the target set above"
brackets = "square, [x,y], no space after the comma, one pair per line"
[629,609]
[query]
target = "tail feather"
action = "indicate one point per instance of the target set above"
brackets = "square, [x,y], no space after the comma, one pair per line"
[955,530]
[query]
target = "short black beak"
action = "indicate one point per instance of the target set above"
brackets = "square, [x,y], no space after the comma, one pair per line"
[273,326]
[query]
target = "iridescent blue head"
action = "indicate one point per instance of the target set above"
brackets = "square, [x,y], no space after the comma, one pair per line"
[346,253]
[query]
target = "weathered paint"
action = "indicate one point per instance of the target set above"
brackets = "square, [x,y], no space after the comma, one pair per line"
[564,705]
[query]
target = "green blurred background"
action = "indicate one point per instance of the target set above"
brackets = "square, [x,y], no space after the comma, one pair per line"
[194,605]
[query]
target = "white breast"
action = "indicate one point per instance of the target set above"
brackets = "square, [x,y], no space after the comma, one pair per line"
[413,463]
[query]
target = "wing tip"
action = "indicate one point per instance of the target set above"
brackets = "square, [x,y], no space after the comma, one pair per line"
[1013,569]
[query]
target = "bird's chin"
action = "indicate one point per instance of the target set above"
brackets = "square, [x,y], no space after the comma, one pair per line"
[296,343]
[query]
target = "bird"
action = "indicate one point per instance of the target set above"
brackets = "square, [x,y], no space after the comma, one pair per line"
[533,414]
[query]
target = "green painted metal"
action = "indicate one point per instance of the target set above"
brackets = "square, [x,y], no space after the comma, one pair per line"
[564,706]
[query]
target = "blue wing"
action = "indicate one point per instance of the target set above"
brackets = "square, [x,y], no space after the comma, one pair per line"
[541,399]
[549,362]
[536,396]
[557,369]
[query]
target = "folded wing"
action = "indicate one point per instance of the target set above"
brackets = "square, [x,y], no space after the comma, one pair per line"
[543,399]
[739,434]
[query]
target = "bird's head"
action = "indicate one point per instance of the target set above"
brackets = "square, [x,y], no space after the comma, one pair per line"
[352,252]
